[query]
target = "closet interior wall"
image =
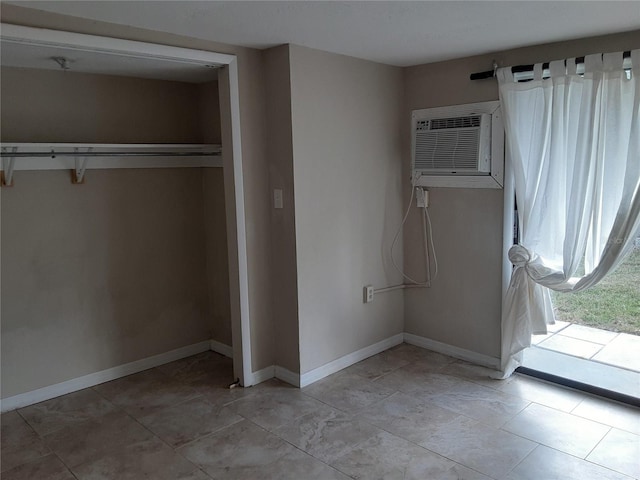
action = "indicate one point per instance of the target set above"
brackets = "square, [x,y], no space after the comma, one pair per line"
[131,264]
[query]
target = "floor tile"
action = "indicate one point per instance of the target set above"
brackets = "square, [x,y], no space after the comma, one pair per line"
[272,407]
[549,464]
[544,393]
[570,346]
[196,475]
[619,451]
[246,451]
[93,438]
[189,420]
[589,334]
[19,443]
[202,370]
[565,432]
[326,433]
[347,391]
[210,374]
[412,354]
[551,330]
[484,404]
[146,459]
[385,456]
[538,339]
[557,326]
[47,417]
[474,373]
[221,395]
[408,417]
[422,417]
[622,352]
[485,449]
[623,417]
[202,364]
[48,467]
[418,379]
[145,392]
[378,365]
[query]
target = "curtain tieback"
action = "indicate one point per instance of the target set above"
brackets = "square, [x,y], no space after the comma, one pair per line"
[520,256]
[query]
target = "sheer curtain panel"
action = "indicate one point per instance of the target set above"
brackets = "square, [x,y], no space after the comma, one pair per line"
[574,145]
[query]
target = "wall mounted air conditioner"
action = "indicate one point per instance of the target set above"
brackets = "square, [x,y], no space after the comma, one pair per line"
[458,146]
[452,145]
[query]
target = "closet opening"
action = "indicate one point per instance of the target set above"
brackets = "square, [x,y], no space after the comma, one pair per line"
[143,263]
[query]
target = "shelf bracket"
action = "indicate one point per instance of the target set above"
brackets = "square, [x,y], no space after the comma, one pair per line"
[77,174]
[8,166]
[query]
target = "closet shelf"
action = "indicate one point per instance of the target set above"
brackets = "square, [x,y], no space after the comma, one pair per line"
[79,157]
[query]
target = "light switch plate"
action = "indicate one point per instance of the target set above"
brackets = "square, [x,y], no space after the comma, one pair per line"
[277,198]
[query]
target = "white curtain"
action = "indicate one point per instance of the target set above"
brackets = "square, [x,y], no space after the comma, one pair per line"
[574,144]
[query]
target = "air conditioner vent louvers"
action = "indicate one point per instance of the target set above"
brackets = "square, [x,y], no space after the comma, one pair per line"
[451,151]
[452,145]
[457,122]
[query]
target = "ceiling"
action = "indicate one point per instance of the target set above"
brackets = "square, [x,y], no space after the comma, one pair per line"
[398,33]
[43,56]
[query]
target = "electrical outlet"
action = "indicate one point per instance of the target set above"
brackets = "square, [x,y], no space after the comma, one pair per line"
[368,294]
[422,197]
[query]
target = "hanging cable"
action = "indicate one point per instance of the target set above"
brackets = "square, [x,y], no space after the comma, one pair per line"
[425,241]
[433,247]
[414,283]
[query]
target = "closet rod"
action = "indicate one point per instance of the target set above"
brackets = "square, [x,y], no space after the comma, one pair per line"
[107,154]
[529,68]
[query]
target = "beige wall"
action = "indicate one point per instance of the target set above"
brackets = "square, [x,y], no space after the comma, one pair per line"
[251,89]
[215,223]
[283,234]
[349,124]
[209,112]
[52,106]
[346,149]
[216,252]
[98,275]
[463,306]
[131,264]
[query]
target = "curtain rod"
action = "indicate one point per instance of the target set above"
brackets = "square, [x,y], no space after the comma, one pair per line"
[526,68]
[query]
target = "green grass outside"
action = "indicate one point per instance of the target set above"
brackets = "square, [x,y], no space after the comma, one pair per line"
[613,304]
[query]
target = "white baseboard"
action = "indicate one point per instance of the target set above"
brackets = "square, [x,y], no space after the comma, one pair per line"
[263,375]
[348,360]
[86,381]
[221,348]
[457,352]
[288,376]
[314,375]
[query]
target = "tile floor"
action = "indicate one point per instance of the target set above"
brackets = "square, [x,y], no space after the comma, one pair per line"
[406,413]
[604,359]
[616,349]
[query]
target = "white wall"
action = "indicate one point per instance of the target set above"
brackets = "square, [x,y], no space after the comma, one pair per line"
[346,150]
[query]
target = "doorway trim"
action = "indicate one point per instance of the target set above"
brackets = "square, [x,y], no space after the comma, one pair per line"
[232,158]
